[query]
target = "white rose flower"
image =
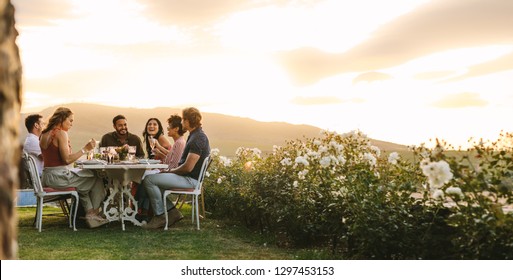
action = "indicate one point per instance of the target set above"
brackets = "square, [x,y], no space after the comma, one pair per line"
[438,173]
[325,162]
[302,160]
[276,149]
[370,158]
[313,154]
[438,194]
[225,161]
[393,158]
[455,191]
[286,162]
[257,152]
[214,152]
[239,151]
[302,174]
[376,150]
[323,149]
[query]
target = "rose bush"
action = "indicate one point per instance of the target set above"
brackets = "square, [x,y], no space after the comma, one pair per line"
[342,192]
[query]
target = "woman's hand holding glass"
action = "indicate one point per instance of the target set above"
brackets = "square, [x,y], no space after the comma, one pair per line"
[153,142]
[89,148]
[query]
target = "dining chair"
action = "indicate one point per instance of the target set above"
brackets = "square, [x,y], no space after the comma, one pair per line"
[195,192]
[47,194]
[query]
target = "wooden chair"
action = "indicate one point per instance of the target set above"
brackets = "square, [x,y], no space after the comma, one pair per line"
[47,194]
[195,192]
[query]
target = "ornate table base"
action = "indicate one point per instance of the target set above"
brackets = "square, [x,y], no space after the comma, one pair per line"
[121,205]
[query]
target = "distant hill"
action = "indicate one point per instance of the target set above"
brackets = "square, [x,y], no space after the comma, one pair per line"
[226,133]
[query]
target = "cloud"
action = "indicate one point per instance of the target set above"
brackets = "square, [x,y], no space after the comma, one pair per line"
[371,77]
[434,75]
[320,100]
[192,12]
[200,12]
[437,26]
[503,63]
[80,83]
[461,100]
[42,12]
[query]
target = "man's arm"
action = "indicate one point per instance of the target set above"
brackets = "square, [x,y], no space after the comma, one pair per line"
[187,166]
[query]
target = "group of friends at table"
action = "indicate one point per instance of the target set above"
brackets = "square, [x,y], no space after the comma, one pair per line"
[49,143]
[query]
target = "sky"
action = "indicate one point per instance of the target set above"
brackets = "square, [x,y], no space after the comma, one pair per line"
[403,71]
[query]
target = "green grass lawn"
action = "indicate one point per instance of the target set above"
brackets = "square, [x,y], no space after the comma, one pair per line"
[216,240]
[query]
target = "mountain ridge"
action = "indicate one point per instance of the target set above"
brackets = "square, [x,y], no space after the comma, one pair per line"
[225,132]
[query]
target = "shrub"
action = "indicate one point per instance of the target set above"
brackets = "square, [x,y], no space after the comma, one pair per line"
[341,192]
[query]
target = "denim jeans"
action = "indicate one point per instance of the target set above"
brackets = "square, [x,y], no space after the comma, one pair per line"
[143,202]
[156,184]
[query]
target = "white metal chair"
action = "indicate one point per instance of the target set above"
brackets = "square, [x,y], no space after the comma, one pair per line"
[194,192]
[46,194]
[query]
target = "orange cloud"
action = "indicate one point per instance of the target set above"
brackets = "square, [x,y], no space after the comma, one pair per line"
[199,12]
[371,77]
[434,75]
[461,100]
[320,100]
[500,64]
[434,27]
[41,12]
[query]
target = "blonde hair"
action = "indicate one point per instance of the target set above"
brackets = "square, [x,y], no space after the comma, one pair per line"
[193,116]
[58,117]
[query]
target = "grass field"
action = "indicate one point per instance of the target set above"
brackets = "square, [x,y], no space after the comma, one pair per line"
[217,240]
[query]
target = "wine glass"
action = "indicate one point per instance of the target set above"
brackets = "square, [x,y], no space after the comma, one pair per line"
[131,152]
[110,154]
[153,142]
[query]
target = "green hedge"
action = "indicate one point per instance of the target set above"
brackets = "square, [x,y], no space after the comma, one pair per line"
[342,193]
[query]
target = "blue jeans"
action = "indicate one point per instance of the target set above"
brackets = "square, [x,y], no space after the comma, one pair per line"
[156,184]
[141,196]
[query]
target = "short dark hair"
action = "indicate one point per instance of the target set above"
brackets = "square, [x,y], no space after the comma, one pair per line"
[31,120]
[117,118]
[193,116]
[176,121]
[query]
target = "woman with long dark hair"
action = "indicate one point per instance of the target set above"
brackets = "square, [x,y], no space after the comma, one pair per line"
[171,158]
[154,130]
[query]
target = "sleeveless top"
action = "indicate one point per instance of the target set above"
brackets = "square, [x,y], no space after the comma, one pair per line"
[51,155]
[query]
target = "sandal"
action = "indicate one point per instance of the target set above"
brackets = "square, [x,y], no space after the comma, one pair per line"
[94,221]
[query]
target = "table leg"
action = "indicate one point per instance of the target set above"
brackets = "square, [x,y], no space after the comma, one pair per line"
[128,213]
[109,205]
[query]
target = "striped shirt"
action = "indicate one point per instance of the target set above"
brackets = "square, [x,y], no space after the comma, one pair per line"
[173,157]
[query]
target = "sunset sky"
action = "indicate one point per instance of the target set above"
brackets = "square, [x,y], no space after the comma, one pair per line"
[402,71]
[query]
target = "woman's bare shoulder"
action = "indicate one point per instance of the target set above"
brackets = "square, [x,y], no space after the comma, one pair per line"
[163,140]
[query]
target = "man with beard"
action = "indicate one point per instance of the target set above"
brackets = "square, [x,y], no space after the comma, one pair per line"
[121,136]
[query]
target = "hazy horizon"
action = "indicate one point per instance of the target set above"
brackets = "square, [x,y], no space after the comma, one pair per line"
[402,71]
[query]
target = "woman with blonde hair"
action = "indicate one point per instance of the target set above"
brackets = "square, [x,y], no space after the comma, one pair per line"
[57,172]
